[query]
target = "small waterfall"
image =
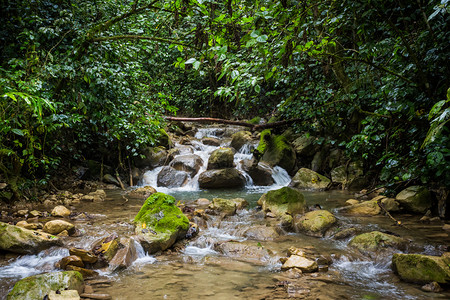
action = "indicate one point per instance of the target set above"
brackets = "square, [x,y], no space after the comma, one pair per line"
[29,265]
[143,257]
[280,176]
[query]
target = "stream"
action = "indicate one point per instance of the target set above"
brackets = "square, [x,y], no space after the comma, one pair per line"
[197,271]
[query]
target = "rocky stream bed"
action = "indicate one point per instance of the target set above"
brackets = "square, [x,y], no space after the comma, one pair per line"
[221,226]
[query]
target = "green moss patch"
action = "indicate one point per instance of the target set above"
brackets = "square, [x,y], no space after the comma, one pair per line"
[421,268]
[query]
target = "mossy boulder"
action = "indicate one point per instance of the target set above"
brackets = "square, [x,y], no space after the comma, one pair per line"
[254,121]
[24,241]
[159,223]
[421,268]
[222,178]
[375,241]
[275,150]
[283,203]
[314,223]
[39,286]
[164,139]
[309,180]
[228,207]
[415,199]
[221,158]
[347,175]
[240,139]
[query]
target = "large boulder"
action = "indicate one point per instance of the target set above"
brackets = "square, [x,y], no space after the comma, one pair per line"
[260,173]
[125,256]
[415,199]
[346,175]
[240,139]
[39,286]
[160,223]
[283,203]
[275,150]
[190,163]
[421,268]
[153,157]
[305,146]
[375,241]
[314,223]
[228,207]
[309,180]
[169,177]
[23,241]
[223,178]
[221,158]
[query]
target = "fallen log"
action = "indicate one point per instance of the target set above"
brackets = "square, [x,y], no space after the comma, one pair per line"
[253,127]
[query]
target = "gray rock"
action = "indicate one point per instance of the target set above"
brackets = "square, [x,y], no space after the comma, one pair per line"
[415,199]
[189,163]
[222,178]
[240,138]
[169,177]
[57,226]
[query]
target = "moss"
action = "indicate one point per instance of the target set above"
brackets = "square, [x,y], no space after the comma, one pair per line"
[164,139]
[421,268]
[317,221]
[375,240]
[284,202]
[255,121]
[263,141]
[160,214]
[38,286]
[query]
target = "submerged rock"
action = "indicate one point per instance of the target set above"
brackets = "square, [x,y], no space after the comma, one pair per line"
[160,223]
[39,286]
[284,203]
[375,241]
[221,158]
[421,268]
[244,251]
[222,178]
[23,241]
[314,223]
[310,180]
[415,199]
[262,233]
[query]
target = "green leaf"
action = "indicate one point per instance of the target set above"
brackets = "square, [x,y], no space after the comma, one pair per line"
[262,38]
[18,131]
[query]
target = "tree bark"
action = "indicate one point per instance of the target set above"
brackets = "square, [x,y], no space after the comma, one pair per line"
[238,123]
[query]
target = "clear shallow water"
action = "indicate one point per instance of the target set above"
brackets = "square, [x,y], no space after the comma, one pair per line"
[199,271]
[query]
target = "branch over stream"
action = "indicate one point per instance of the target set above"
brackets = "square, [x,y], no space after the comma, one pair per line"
[239,123]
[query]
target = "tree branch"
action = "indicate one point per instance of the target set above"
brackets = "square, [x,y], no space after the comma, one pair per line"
[140,37]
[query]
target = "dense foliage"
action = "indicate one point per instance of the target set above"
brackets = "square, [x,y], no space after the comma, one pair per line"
[80,79]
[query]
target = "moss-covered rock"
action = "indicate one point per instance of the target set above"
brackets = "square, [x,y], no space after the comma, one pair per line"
[309,180]
[222,178]
[228,206]
[164,139]
[254,121]
[375,241]
[221,158]
[415,199]
[421,268]
[38,286]
[284,203]
[240,138]
[275,150]
[23,241]
[160,223]
[314,223]
[305,146]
